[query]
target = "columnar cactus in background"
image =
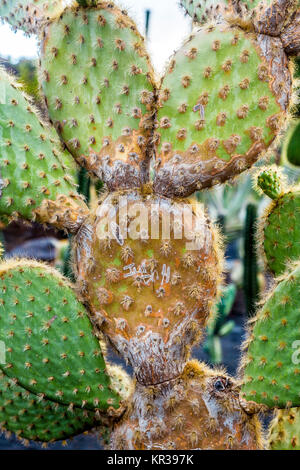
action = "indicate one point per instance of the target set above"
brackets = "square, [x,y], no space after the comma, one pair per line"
[224,98]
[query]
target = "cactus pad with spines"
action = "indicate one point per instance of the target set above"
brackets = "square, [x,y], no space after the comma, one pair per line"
[202,11]
[224,98]
[31,161]
[37,419]
[98,83]
[27,14]
[269,181]
[50,347]
[284,431]
[154,294]
[205,10]
[221,105]
[280,225]
[271,370]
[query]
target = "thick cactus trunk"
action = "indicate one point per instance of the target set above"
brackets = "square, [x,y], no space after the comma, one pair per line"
[290,37]
[152,297]
[200,409]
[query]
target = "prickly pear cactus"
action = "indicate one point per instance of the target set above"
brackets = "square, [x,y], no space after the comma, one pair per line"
[27,14]
[202,11]
[201,410]
[280,224]
[264,16]
[270,182]
[58,347]
[21,412]
[222,102]
[153,295]
[34,180]
[110,138]
[284,431]
[270,365]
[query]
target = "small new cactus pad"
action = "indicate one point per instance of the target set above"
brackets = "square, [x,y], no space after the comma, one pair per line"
[98,83]
[34,179]
[270,366]
[37,419]
[152,288]
[198,410]
[270,182]
[221,105]
[50,346]
[280,225]
[284,431]
[27,14]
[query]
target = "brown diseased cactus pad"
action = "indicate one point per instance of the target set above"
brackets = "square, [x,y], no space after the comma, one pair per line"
[153,295]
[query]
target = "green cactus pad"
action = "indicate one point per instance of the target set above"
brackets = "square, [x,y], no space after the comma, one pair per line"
[27,14]
[30,417]
[97,80]
[50,346]
[203,10]
[280,231]
[285,430]
[270,183]
[218,109]
[32,165]
[271,363]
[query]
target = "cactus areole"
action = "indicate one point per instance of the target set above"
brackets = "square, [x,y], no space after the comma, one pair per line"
[147,262]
